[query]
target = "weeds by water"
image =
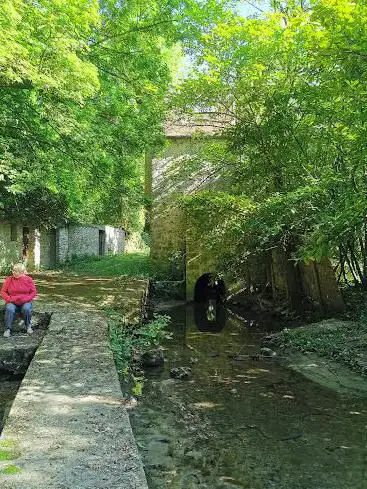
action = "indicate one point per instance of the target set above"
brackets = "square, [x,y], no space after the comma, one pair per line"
[128,343]
[343,340]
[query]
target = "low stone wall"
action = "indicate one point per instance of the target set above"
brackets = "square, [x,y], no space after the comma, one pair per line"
[68,426]
[168,240]
[16,352]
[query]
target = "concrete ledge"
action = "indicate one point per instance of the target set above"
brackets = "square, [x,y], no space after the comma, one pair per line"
[17,351]
[68,427]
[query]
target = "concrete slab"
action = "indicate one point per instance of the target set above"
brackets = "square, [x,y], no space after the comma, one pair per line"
[17,351]
[68,427]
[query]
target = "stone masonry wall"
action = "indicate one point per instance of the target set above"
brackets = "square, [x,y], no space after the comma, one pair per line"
[115,240]
[319,284]
[78,240]
[198,262]
[10,251]
[181,251]
[174,175]
[62,244]
[168,241]
[83,241]
[290,283]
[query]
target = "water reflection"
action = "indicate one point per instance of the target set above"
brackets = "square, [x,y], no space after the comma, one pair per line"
[245,423]
[210,317]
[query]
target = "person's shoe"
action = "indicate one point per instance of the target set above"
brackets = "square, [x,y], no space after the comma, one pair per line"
[7,333]
[30,330]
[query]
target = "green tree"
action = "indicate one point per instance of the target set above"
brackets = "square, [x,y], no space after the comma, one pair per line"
[290,86]
[82,87]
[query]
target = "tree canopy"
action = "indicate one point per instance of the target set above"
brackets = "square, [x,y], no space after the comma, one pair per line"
[288,86]
[82,86]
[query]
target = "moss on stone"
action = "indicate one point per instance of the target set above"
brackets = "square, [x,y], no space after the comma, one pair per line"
[10,469]
[7,455]
[7,443]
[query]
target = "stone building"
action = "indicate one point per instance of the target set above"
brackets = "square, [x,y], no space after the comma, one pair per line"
[46,248]
[173,176]
[176,249]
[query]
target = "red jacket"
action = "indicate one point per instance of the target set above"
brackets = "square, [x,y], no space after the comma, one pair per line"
[18,290]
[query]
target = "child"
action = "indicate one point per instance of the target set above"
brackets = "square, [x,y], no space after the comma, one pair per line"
[18,291]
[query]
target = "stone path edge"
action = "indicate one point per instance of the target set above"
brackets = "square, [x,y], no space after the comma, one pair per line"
[68,426]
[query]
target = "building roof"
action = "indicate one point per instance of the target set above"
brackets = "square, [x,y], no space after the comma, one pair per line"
[209,124]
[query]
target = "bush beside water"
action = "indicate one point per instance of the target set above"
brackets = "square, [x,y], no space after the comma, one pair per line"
[129,342]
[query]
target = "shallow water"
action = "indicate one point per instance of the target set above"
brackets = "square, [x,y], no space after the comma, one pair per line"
[244,424]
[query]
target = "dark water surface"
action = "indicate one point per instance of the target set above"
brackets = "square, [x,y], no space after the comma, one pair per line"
[244,424]
[9,385]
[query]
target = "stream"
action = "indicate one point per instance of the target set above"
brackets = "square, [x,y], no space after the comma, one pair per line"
[248,423]
[9,385]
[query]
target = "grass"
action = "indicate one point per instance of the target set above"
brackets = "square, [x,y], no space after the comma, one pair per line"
[7,455]
[128,264]
[129,343]
[10,469]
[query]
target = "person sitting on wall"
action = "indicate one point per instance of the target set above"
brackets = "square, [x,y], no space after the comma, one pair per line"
[18,291]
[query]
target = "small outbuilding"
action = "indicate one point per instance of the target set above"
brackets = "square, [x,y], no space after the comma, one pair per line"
[48,247]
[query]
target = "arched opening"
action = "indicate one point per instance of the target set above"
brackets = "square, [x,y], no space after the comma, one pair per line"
[209,287]
[209,296]
[210,320]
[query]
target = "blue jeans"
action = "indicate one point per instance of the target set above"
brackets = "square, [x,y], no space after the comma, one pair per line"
[11,310]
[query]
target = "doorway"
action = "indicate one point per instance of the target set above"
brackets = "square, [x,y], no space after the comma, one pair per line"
[25,241]
[101,242]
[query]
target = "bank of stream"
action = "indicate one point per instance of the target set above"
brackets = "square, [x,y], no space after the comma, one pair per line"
[246,423]
[9,385]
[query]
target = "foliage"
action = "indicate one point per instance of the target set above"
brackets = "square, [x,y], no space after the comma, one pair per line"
[10,469]
[127,264]
[128,343]
[82,87]
[342,341]
[288,86]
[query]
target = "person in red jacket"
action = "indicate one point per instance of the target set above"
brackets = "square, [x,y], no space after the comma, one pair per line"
[18,291]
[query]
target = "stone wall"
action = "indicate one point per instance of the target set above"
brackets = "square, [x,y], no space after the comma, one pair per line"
[198,261]
[10,251]
[319,284]
[180,252]
[294,284]
[47,247]
[287,283]
[168,241]
[62,244]
[77,240]
[174,175]
[83,241]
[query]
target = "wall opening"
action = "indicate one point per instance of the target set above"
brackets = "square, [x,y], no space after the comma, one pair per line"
[25,241]
[13,232]
[209,287]
[101,242]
